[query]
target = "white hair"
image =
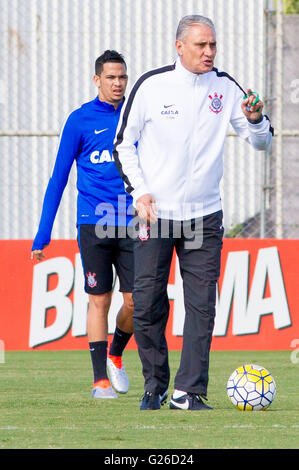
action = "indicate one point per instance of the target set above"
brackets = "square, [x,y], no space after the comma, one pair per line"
[191,20]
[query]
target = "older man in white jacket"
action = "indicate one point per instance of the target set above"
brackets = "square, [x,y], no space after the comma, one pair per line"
[179,114]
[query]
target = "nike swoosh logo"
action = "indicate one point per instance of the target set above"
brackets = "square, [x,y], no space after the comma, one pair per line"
[168,105]
[182,406]
[99,132]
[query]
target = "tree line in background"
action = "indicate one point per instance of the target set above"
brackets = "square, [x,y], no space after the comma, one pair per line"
[291,7]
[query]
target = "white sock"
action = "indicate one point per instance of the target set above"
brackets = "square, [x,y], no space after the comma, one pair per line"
[178,394]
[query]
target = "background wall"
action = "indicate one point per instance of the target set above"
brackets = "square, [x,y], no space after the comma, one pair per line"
[47,54]
[256,307]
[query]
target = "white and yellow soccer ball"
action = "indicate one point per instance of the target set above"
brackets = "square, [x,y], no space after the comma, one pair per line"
[251,388]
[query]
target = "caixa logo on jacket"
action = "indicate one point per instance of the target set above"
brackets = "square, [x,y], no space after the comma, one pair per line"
[101,157]
[169,111]
[216,103]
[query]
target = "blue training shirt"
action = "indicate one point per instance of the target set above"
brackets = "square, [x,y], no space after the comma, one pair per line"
[87,137]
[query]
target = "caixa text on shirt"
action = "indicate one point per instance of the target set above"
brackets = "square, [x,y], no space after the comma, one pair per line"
[100,157]
[170,113]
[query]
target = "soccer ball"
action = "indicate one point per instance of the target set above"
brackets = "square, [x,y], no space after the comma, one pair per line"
[251,388]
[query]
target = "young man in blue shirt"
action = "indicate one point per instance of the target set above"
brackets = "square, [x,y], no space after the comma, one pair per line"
[87,138]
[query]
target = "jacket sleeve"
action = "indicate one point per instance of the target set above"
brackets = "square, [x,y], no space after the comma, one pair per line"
[258,135]
[125,152]
[68,147]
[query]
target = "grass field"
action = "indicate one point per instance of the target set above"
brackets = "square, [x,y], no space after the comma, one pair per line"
[45,403]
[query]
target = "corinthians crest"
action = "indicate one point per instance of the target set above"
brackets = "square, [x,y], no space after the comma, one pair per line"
[143,233]
[216,103]
[91,279]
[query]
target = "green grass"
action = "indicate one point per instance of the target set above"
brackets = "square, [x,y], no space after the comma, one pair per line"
[45,403]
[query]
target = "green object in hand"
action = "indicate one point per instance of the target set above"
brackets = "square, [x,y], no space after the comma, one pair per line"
[254,102]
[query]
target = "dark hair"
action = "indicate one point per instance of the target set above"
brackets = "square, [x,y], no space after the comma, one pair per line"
[108,56]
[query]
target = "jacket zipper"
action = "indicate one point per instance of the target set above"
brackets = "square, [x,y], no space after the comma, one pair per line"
[192,149]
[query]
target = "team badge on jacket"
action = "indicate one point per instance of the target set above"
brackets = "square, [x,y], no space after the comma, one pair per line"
[143,233]
[216,103]
[91,279]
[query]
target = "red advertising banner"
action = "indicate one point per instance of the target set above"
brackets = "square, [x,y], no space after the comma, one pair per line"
[44,306]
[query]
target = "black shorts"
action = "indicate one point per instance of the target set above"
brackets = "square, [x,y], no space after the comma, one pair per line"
[99,255]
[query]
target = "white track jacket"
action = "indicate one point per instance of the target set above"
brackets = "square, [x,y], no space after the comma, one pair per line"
[180,121]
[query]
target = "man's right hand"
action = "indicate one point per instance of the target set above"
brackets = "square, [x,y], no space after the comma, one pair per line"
[37,254]
[146,208]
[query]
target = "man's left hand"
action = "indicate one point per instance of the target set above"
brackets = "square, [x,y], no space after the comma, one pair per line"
[255,112]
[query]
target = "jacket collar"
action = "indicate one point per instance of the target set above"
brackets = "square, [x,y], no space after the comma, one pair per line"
[107,106]
[186,75]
